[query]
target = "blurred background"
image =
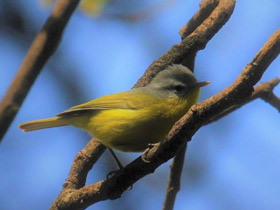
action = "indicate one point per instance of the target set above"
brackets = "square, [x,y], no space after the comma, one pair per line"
[230,164]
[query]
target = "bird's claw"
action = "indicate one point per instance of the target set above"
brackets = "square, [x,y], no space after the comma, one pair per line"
[144,155]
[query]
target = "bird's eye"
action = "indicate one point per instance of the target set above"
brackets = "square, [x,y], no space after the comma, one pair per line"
[178,88]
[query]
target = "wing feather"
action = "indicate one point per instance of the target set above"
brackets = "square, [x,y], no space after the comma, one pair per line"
[132,99]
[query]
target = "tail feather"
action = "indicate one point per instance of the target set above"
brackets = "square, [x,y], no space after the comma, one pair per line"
[43,123]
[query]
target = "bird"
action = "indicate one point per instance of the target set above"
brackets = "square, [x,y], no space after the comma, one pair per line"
[131,120]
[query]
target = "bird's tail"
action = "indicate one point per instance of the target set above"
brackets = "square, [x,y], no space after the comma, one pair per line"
[43,123]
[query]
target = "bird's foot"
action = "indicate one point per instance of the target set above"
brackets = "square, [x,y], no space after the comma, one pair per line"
[144,155]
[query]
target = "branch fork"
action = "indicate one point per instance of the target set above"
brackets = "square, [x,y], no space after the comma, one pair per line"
[212,15]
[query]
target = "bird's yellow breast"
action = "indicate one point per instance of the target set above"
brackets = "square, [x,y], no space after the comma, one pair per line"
[130,120]
[131,130]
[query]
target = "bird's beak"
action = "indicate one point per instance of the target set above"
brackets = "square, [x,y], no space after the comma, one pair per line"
[201,84]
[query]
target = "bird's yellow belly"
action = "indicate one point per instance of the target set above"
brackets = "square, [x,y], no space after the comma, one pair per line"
[128,130]
[131,130]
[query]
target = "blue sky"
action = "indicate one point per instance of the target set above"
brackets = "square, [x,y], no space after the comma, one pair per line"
[230,164]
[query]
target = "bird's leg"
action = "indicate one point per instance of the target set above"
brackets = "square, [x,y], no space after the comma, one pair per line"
[144,155]
[118,163]
[116,159]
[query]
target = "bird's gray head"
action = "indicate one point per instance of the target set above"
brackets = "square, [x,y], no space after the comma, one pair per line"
[175,80]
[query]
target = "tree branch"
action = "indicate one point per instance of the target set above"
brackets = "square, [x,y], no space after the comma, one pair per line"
[173,185]
[268,96]
[83,163]
[206,8]
[181,132]
[197,39]
[43,46]
[194,42]
[263,91]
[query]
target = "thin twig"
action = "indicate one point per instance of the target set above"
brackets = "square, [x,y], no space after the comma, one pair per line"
[270,97]
[273,100]
[174,180]
[263,91]
[43,46]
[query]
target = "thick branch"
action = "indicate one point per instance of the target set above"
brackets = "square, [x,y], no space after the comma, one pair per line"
[43,46]
[183,130]
[85,196]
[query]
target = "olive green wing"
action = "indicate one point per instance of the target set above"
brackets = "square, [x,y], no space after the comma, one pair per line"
[132,99]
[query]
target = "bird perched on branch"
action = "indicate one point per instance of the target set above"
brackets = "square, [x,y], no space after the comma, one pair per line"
[131,120]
